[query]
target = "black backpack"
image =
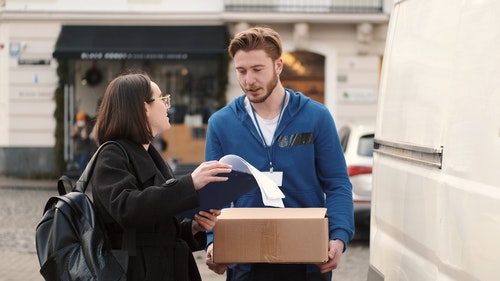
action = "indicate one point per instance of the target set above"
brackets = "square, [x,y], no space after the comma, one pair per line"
[71,241]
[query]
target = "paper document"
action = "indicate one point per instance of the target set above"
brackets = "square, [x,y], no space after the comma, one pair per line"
[243,178]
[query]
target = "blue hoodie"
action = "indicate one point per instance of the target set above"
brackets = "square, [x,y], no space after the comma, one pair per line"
[306,147]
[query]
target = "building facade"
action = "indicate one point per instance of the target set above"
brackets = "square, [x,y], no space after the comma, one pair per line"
[333,54]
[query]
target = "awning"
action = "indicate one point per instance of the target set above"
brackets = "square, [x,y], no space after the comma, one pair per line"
[140,42]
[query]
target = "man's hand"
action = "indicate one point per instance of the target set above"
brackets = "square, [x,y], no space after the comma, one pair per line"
[217,268]
[335,249]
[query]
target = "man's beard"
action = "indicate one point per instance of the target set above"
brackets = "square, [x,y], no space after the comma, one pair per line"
[270,87]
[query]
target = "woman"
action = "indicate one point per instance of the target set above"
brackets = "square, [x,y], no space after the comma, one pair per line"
[137,195]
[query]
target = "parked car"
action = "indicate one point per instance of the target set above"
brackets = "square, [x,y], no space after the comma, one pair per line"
[357,142]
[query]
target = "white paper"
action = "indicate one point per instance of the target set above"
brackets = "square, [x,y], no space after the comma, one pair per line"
[271,193]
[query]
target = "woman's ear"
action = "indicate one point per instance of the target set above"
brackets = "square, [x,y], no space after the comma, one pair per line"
[146,108]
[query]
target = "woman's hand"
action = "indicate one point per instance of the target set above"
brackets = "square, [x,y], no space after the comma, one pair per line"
[204,221]
[207,172]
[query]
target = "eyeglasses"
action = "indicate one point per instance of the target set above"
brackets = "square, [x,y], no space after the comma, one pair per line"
[165,99]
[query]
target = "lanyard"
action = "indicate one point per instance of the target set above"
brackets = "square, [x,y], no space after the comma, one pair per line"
[261,135]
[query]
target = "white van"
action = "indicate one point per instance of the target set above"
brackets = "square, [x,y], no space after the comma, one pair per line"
[436,175]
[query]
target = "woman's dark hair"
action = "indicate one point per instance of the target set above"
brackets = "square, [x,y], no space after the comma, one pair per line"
[122,114]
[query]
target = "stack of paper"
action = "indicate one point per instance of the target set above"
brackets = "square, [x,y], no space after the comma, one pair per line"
[243,178]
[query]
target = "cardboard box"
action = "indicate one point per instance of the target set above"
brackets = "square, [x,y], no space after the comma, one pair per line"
[271,235]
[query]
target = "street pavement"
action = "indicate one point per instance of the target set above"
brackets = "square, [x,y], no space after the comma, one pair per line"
[21,208]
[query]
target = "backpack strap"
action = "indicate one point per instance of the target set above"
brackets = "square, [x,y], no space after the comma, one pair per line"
[81,184]
[128,236]
[64,184]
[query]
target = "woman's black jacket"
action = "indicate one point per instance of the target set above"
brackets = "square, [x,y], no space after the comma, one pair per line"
[138,201]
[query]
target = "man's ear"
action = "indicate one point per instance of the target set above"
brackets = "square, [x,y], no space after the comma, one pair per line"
[278,64]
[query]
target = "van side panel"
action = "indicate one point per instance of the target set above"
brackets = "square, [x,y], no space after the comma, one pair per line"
[417,70]
[439,100]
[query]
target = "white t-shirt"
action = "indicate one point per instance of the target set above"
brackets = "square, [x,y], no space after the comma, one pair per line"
[267,126]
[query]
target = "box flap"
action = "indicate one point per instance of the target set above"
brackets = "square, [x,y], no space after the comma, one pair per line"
[272,213]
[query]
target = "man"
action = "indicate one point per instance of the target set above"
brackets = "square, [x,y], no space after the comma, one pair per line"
[290,137]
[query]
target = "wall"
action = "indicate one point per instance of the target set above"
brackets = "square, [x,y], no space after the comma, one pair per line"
[29,87]
[113,6]
[28,79]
